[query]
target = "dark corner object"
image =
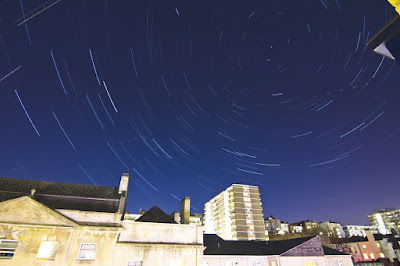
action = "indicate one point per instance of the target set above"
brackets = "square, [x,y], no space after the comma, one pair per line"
[387,40]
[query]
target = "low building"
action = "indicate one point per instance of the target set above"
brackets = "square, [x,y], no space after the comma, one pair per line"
[359,230]
[284,228]
[194,219]
[133,216]
[295,228]
[332,229]
[272,225]
[372,248]
[294,252]
[50,223]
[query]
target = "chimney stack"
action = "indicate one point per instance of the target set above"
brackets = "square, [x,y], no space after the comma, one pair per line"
[370,235]
[123,190]
[185,210]
[176,216]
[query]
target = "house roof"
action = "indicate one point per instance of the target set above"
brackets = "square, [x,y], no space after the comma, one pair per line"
[218,246]
[331,251]
[62,195]
[156,215]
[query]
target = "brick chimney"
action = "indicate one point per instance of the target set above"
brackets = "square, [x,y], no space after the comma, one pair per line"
[370,235]
[185,210]
[123,191]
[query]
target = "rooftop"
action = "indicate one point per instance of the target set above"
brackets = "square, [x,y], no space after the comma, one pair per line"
[217,246]
[156,215]
[62,195]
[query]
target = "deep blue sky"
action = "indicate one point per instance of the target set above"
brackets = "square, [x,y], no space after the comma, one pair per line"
[204,94]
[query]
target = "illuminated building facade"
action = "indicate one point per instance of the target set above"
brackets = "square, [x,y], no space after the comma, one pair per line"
[50,223]
[236,214]
[359,230]
[386,220]
[332,229]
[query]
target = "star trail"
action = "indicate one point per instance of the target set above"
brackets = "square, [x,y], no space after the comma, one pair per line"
[192,96]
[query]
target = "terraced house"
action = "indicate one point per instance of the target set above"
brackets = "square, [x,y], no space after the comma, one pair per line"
[50,223]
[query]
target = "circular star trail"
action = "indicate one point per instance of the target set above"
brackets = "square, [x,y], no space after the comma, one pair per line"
[189,97]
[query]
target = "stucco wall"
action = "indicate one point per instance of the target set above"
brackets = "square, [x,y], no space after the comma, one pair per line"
[26,221]
[161,233]
[158,254]
[243,260]
[91,217]
[69,239]
[108,250]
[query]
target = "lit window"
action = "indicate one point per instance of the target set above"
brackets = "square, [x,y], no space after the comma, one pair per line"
[377,244]
[87,251]
[310,263]
[232,263]
[135,263]
[47,250]
[364,246]
[7,248]
[365,256]
[382,255]
[372,256]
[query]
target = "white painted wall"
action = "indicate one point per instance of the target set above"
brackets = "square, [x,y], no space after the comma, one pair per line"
[161,233]
[91,217]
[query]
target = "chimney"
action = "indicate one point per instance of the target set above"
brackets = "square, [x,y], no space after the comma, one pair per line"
[141,211]
[185,210]
[370,235]
[123,190]
[175,215]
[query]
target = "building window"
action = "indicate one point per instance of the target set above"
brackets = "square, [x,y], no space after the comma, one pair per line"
[372,256]
[382,255]
[7,248]
[365,256]
[364,246]
[47,250]
[378,245]
[135,263]
[87,251]
[232,263]
[310,263]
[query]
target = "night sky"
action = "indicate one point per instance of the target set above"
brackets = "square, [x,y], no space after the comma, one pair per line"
[191,96]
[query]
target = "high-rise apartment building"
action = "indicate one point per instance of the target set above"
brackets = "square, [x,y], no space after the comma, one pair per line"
[236,214]
[386,220]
